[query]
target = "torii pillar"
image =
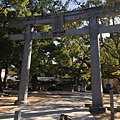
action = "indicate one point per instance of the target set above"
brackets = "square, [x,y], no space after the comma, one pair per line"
[96,79]
[25,70]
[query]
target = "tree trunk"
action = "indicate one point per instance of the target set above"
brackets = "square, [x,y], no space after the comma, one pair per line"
[34,82]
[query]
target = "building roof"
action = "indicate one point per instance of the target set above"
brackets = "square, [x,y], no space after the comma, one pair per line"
[66,79]
[45,78]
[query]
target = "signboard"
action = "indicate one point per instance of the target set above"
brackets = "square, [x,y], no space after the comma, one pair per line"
[57,23]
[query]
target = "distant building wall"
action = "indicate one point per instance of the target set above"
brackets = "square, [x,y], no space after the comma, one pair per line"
[110,82]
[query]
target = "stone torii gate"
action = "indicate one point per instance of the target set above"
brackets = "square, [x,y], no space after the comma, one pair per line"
[57,21]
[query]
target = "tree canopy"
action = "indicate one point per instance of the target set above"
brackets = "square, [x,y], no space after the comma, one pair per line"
[58,57]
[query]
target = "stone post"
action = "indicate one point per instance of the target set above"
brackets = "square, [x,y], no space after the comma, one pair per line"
[97,93]
[112,104]
[26,61]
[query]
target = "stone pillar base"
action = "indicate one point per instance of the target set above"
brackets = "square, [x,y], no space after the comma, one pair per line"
[93,109]
[17,102]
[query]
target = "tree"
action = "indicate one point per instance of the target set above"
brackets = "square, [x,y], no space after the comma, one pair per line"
[15,8]
[111,57]
[5,44]
[70,54]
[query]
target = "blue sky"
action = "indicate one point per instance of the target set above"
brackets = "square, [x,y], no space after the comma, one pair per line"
[72,5]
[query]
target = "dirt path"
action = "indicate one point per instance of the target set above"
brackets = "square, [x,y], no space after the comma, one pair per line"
[7,102]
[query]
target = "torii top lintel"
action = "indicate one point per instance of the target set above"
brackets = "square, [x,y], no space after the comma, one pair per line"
[70,16]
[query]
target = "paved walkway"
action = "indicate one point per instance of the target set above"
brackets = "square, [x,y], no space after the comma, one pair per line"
[71,104]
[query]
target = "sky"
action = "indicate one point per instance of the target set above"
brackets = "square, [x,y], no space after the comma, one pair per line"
[72,5]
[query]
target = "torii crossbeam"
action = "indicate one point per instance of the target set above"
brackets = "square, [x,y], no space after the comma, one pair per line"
[91,14]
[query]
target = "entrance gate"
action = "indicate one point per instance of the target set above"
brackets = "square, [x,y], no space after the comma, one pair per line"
[57,21]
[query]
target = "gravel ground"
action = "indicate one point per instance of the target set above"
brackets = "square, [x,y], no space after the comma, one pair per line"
[7,101]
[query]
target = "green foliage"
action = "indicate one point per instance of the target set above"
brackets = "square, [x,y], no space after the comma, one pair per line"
[59,57]
[112,3]
[46,6]
[5,47]
[110,56]
[86,4]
